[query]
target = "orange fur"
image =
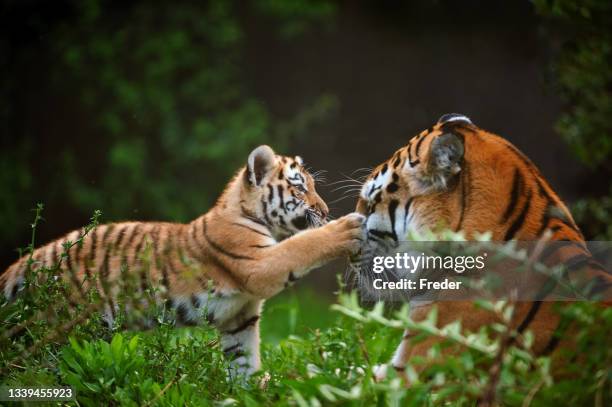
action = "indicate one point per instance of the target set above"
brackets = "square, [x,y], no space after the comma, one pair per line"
[458,176]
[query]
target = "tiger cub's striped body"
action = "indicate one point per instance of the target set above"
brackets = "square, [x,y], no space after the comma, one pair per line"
[262,235]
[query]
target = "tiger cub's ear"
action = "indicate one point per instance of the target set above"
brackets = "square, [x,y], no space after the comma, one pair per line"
[260,163]
[444,160]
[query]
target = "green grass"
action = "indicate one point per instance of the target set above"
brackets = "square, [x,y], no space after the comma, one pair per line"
[315,351]
[295,312]
[313,356]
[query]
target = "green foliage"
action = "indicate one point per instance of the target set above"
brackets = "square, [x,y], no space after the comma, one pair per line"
[296,16]
[595,217]
[166,83]
[583,74]
[310,356]
[332,365]
[160,95]
[583,77]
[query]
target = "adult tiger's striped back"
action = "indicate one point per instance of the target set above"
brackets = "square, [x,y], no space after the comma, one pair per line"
[458,176]
[266,231]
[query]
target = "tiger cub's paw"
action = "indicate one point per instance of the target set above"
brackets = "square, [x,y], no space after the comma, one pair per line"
[348,232]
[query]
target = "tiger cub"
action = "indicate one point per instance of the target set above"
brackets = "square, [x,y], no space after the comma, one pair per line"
[266,231]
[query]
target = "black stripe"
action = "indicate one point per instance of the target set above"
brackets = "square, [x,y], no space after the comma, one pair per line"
[392,208]
[465,191]
[15,290]
[520,219]
[517,186]
[107,232]
[155,243]
[133,233]
[120,236]
[280,196]
[195,301]
[292,277]
[210,318]
[123,265]
[552,203]
[410,161]
[535,307]
[138,248]
[218,263]
[246,324]
[182,315]
[398,160]
[418,146]
[111,306]
[104,272]
[553,247]
[265,212]
[220,249]
[231,349]
[552,344]
[143,273]
[72,274]
[192,253]
[250,216]
[271,193]
[392,187]
[567,223]
[381,234]
[92,252]
[251,229]
[54,261]
[577,262]
[237,354]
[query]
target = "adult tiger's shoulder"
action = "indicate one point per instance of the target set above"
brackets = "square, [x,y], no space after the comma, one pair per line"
[266,231]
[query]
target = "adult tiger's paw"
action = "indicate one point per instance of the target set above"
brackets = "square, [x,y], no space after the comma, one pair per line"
[349,232]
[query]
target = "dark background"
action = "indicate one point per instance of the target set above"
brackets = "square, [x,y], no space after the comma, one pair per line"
[343,84]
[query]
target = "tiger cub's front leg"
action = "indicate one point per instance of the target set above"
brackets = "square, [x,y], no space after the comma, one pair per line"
[240,341]
[288,261]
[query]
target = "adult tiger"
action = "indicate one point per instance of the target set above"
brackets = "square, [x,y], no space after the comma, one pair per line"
[458,176]
[262,235]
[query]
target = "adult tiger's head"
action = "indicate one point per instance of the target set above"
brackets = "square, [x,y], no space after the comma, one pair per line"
[457,176]
[280,192]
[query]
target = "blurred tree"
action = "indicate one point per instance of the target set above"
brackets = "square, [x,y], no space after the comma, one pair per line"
[583,75]
[161,103]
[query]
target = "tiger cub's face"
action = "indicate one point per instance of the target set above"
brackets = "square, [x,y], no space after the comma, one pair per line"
[281,193]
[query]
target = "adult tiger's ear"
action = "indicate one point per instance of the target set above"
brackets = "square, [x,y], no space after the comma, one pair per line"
[260,163]
[444,160]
